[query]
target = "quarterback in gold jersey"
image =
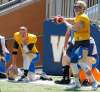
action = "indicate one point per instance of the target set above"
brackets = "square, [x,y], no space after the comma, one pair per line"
[27,43]
[80,25]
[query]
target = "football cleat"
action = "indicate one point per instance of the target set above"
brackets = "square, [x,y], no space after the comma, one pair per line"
[94,85]
[22,78]
[63,81]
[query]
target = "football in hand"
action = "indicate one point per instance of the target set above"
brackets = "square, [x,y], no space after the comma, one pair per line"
[58,19]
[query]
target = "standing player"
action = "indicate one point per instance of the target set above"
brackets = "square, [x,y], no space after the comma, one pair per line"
[81,27]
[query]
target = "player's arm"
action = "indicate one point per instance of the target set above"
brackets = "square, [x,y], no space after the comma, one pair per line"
[14,53]
[70,20]
[76,26]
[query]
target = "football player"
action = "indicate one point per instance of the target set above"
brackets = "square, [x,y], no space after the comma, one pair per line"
[27,43]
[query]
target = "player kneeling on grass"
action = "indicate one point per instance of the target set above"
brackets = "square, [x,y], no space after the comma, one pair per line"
[27,43]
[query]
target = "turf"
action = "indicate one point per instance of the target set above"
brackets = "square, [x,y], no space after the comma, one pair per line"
[38,86]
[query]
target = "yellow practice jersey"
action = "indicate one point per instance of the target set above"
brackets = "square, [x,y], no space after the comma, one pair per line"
[31,39]
[83,33]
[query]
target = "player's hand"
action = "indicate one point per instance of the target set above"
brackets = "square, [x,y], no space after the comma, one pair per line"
[65,47]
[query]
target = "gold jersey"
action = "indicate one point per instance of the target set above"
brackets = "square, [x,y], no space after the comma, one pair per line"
[31,39]
[83,33]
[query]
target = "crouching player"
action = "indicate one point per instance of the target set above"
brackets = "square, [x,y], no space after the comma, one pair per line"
[27,43]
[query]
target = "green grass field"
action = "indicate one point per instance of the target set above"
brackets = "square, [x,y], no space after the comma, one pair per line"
[38,86]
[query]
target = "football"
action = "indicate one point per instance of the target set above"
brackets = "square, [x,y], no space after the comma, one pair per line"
[58,19]
[12,73]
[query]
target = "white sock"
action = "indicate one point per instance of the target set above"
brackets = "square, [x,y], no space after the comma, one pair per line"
[77,81]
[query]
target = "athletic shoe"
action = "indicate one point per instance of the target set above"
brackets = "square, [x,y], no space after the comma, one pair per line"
[45,77]
[22,78]
[85,83]
[63,81]
[3,75]
[94,85]
[73,86]
[10,79]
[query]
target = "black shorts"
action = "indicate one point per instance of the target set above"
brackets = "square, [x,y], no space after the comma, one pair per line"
[84,44]
[72,48]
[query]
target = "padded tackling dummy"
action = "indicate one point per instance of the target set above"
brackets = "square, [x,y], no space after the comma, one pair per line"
[53,33]
[91,61]
[94,70]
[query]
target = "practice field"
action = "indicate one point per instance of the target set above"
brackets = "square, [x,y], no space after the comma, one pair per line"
[39,86]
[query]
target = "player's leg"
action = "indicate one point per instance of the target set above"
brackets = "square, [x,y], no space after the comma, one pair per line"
[26,64]
[66,70]
[66,66]
[35,59]
[74,67]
